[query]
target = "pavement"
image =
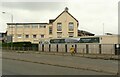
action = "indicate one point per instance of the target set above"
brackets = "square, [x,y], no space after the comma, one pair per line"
[65,60]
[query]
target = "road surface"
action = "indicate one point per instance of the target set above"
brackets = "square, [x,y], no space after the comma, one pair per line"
[14,67]
[66,62]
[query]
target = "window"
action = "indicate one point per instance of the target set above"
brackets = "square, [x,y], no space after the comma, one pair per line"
[34,36]
[19,26]
[71,26]
[42,36]
[42,26]
[71,34]
[59,26]
[26,36]
[59,35]
[50,30]
[19,36]
[26,26]
[13,36]
[11,26]
[34,26]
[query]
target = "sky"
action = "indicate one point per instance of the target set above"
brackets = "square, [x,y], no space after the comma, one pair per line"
[95,16]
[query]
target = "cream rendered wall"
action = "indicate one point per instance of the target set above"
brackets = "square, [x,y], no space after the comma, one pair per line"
[27,31]
[109,39]
[65,18]
[11,31]
[47,31]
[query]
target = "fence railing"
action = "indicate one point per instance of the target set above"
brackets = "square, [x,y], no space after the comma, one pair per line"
[81,48]
[65,48]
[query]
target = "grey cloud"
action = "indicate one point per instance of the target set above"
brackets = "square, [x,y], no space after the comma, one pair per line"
[34,5]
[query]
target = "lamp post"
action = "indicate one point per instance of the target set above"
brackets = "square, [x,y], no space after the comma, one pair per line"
[103,29]
[12,27]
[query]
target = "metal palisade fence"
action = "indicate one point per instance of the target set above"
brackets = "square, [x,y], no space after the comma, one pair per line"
[81,48]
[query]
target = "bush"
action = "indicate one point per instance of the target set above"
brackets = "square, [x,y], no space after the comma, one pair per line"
[21,45]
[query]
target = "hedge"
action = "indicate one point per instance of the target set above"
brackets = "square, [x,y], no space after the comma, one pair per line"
[21,45]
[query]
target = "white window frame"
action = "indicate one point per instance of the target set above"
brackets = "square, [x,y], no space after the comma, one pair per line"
[35,36]
[71,26]
[42,26]
[50,30]
[59,26]
[42,35]
[59,35]
[34,26]
[26,26]
[19,35]
[19,26]
[26,35]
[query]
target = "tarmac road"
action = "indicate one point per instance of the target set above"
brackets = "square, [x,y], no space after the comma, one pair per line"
[99,65]
[14,67]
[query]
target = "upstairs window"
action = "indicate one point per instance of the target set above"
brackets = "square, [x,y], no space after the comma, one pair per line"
[11,26]
[50,30]
[42,36]
[34,36]
[34,26]
[26,26]
[27,36]
[59,26]
[71,26]
[42,26]
[19,36]
[19,26]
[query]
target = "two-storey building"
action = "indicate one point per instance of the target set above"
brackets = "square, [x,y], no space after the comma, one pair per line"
[64,25]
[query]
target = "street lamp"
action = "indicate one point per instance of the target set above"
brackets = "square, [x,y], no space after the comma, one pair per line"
[103,29]
[12,27]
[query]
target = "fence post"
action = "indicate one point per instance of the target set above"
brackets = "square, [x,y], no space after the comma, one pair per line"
[57,47]
[117,49]
[66,48]
[42,47]
[49,47]
[99,48]
[111,53]
[75,48]
[87,49]
[83,51]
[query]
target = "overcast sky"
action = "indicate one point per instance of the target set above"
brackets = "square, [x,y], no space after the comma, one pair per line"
[91,14]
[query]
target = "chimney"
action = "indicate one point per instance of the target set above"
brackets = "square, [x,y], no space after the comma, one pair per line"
[66,9]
